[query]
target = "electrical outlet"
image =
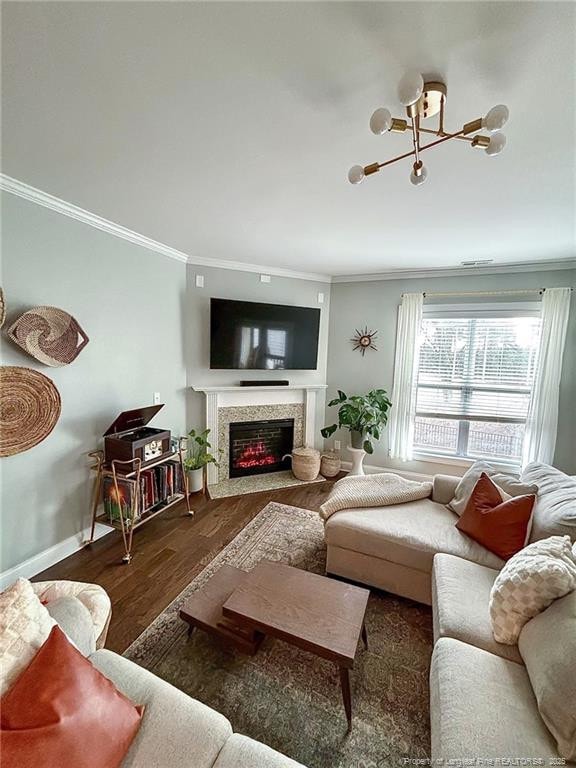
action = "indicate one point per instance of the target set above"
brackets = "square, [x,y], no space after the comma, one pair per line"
[320,298]
[264,278]
[337,445]
[199,281]
[156,398]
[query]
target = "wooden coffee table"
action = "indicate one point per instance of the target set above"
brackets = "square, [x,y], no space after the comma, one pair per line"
[315,613]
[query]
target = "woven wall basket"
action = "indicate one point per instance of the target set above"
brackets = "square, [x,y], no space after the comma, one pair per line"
[49,334]
[2,308]
[29,408]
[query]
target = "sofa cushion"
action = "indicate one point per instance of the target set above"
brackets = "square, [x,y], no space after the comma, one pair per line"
[408,534]
[460,602]
[528,583]
[25,625]
[75,621]
[176,730]
[555,508]
[500,526]
[482,707]
[548,646]
[63,712]
[242,752]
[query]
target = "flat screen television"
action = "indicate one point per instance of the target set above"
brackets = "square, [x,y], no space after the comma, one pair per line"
[248,335]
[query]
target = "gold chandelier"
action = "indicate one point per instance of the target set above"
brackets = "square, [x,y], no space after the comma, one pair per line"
[423,100]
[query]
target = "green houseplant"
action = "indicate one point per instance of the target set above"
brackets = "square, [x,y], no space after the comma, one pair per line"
[363,415]
[198,457]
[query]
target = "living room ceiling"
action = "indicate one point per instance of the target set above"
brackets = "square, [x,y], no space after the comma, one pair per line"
[226,130]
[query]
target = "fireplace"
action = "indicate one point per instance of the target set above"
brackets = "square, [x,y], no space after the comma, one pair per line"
[258,446]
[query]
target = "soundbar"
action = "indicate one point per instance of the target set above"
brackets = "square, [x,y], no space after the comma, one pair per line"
[265,383]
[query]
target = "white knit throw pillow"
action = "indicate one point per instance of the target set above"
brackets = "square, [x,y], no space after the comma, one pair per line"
[24,627]
[528,583]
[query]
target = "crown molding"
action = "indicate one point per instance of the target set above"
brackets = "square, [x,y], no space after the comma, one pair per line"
[494,269]
[37,196]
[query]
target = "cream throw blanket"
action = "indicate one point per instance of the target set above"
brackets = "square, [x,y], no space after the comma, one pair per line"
[379,490]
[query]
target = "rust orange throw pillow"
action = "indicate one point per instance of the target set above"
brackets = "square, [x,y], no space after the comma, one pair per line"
[500,526]
[63,712]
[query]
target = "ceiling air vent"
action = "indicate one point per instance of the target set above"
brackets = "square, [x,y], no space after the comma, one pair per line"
[477,263]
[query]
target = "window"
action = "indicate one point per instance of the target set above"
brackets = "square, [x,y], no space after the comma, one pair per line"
[475,377]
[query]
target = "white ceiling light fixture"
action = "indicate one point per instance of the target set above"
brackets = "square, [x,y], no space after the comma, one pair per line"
[424,99]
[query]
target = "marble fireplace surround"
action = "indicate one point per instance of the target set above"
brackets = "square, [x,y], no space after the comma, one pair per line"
[227,404]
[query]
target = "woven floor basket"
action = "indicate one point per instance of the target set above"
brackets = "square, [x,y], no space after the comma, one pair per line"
[330,464]
[49,334]
[29,408]
[305,463]
[2,308]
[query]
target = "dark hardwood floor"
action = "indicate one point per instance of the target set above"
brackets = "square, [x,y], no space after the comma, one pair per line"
[168,553]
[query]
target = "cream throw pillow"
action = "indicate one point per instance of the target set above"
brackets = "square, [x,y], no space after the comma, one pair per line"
[528,583]
[508,485]
[547,644]
[24,627]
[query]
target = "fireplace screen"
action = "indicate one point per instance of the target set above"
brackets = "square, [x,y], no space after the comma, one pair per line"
[258,446]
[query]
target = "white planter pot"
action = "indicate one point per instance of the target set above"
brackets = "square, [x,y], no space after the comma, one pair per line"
[195,480]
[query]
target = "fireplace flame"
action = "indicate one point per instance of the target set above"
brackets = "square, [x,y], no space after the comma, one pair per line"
[256,455]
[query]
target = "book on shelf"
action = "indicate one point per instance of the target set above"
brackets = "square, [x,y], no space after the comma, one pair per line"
[158,485]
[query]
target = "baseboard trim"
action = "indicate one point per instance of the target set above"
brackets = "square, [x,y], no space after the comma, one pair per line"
[51,556]
[371,469]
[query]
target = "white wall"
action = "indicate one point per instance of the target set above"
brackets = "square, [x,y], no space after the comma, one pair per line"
[130,302]
[375,304]
[229,284]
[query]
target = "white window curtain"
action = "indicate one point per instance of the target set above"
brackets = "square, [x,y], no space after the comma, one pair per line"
[542,420]
[405,376]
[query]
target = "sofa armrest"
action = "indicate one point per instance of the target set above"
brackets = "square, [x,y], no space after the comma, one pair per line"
[75,621]
[92,596]
[443,488]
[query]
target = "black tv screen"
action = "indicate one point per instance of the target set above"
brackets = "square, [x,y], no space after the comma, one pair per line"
[267,337]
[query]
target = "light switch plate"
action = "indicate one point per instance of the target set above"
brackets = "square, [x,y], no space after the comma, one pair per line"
[199,281]
[264,278]
[320,298]
[156,398]
[337,445]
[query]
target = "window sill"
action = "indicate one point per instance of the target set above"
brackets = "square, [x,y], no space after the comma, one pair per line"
[458,461]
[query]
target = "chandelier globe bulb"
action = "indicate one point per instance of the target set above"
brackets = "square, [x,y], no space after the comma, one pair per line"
[381,121]
[497,144]
[410,88]
[496,118]
[356,174]
[419,174]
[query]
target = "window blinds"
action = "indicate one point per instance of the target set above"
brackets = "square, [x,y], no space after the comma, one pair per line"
[477,368]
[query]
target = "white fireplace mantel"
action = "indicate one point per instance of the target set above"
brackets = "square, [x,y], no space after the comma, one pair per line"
[235,395]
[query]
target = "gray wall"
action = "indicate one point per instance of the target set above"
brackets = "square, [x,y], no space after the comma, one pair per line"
[376,304]
[130,302]
[228,284]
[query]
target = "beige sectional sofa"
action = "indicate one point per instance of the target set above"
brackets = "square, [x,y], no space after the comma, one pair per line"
[393,547]
[482,701]
[483,705]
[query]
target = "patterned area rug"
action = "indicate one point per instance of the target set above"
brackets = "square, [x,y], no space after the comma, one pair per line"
[291,699]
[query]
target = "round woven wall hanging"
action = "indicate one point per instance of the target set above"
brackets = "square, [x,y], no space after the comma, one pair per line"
[2,308]
[49,334]
[29,408]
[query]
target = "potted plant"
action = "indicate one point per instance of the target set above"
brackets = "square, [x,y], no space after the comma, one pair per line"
[198,457]
[363,415]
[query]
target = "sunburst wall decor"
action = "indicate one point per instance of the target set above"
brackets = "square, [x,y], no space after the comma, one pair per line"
[364,340]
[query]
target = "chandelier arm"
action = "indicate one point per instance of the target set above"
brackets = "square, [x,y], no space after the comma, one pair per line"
[415,139]
[443,134]
[426,146]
